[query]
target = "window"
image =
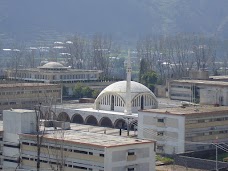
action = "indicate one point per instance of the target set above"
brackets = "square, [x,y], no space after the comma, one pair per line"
[101,155]
[160,147]
[131,169]
[160,133]
[90,153]
[131,153]
[13,161]
[161,120]
[11,146]
[25,143]
[80,151]
[25,158]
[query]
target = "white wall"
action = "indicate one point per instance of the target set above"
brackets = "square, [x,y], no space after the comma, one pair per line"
[174,133]
[213,95]
[116,157]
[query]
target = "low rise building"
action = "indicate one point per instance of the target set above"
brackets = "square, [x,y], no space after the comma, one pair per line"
[179,130]
[199,91]
[54,73]
[26,95]
[70,149]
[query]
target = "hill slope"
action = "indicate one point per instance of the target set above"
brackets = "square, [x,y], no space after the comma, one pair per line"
[26,18]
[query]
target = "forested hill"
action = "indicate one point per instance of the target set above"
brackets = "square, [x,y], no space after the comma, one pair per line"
[24,18]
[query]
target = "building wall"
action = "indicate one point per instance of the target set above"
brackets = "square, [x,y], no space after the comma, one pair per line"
[214,95]
[54,152]
[54,76]
[140,157]
[15,122]
[27,95]
[167,130]
[87,157]
[1,149]
[206,129]
[207,94]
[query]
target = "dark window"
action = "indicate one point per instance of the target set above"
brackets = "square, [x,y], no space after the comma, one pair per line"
[101,155]
[80,167]
[161,120]
[130,169]
[13,161]
[25,158]
[131,153]
[12,146]
[79,151]
[25,143]
[90,153]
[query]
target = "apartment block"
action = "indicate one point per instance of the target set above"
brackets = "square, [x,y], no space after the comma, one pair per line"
[26,95]
[199,91]
[70,149]
[179,130]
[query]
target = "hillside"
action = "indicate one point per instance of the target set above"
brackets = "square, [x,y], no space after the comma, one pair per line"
[26,19]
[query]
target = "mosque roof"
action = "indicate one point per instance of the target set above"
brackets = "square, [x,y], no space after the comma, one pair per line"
[120,88]
[52,65]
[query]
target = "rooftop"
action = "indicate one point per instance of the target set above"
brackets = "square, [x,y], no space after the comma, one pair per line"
[191,110]
[202,82]
[219,77]
[92,136]
[25,85]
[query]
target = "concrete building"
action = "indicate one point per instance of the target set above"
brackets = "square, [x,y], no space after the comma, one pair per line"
[26,95]
[179,130]
[199,91]
[71,149]
[54,72]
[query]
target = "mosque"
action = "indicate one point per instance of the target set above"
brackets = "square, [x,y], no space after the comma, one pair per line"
[117,105]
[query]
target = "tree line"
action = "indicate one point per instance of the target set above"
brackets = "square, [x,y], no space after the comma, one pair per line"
[169,56]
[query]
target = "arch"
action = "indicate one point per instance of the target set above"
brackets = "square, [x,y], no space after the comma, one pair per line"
[91,120]
[120,123]
[106,122]
[112,103]
[134,125]
[63,116]
[77,118]
[142,102]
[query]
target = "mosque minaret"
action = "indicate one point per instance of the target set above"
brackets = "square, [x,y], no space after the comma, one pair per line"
[127,109]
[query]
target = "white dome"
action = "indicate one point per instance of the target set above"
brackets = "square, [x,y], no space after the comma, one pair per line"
[118,90]
[53,65]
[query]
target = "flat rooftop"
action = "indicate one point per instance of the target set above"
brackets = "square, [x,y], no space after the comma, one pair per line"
[202,82]
[92,136]
[190,110]
[219,77]
[25,85]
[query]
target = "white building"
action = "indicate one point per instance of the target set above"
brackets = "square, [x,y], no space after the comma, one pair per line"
[71,149]
[199,91]
[179,129]
[53,72]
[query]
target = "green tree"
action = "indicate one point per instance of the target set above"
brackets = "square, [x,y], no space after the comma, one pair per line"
[77,92]
[149,79]
[87,92]
[95,93]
